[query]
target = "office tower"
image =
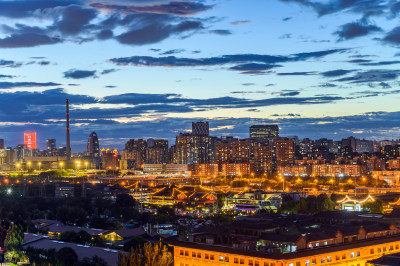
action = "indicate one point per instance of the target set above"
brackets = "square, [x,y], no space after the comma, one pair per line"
[51,145]
[264,132]
[243,151]
[139,146]
[157,153]
[30,140]
[191,149]
[262,159]
[1,143]
[68,143]
[284,151]
[93,146]
[200,129]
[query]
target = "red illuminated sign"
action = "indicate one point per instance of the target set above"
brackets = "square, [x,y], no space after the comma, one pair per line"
[30,140]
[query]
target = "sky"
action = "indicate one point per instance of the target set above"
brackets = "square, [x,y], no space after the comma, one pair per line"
[148,68]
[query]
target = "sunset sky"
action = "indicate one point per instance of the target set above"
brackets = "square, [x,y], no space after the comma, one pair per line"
[143,68]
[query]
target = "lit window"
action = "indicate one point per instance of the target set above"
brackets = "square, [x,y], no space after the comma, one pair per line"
[357,253]
[352,255]
[323,260]
[221,258]
[307,262]
[329,259]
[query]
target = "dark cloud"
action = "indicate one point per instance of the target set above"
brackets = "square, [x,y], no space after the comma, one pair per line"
[27,8]
[182,8]
[108,71]
[359,61]
[253,68]
[248,84]
[173,51]
[27,40]
[336,73]
[297,73]
[6,76]
[43,63]
[74,19]
[79,74]
[259,61]
[221,32]
[356,29]
[393,36]
[240,22]
[328,85]
[381,63]
[368,76]
[13,85]
[287,19]
[111,86]
[365,7]
[290,93]
[156,32]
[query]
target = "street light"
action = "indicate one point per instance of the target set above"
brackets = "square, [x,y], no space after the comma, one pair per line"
[29,166]
[18,165]
[61,165]
[39,163]
[86,163]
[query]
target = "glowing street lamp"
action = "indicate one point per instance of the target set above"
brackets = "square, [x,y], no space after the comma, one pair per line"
[61,165]
[29,166]
[86,163]
[18,165]
[39,163]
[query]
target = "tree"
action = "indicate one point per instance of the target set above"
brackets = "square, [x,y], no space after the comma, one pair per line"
[149,255]
[374,207]
[125,200]
[134,243]
[66,257]
[14,237]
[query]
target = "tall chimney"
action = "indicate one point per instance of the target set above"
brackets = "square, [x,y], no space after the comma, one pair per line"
[68,146]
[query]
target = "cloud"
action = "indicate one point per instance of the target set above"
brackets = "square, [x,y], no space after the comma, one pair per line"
[6,76]
[367,76]
[381,63]
[108,71]
[244,62]
[156,32]
[221,32]
[297,73]
[240,22]
[287,19]
[27,40]
[336,73]
[27,8]
[181,8]
[289,93]
[328,85]
[13,85]
[393,37]
[79,74]
[248,84]
[74,19]
[356,29]
[173,51]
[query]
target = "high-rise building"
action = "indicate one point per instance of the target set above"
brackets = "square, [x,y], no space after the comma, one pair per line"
[30,140]
[262,159]
[1,143]
[284,151]
[51,145]
[93,146]
[139,146]
[158,152]
[264,132]
[200,129]
[192,149]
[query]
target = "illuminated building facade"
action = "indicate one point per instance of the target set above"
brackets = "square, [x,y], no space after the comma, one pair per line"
[30,140]
[93,146]
[158,152]
[264,132]
[284,151]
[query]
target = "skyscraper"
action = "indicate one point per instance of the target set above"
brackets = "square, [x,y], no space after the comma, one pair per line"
[200,129]
[93,147]
[1,143]
[264,132]
[285,151]
[51,145]
[30,140]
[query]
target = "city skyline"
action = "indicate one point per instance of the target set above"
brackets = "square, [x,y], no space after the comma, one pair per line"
[147,69]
